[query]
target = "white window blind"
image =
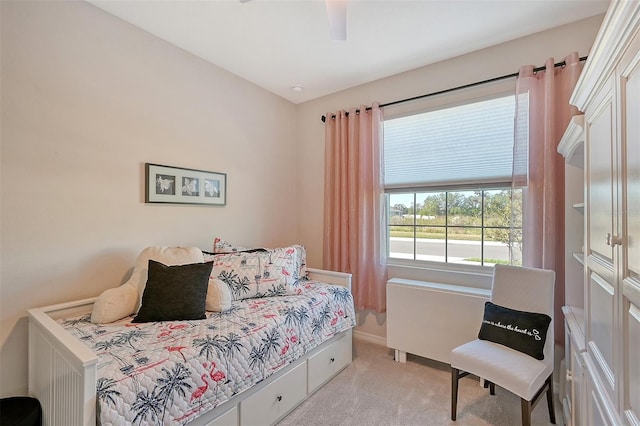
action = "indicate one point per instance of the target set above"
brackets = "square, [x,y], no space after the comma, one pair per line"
[467,145]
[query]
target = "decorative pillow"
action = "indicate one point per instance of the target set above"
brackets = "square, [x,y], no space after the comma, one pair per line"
[169,256]
[219,296]
[523,331]
[175,293]
[263,273]
[117,303]
[239,271]
[222,246]
[301,261]
[280,271]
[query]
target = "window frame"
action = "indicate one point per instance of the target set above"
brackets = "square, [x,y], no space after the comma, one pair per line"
[446,225]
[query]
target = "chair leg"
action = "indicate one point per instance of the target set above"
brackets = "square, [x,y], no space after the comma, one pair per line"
[552,411]
[526,412]
[490,385]
[454,392]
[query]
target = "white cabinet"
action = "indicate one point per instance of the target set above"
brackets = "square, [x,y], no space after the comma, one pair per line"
[609,94]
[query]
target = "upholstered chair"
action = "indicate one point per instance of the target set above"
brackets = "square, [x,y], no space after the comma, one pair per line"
[521,289]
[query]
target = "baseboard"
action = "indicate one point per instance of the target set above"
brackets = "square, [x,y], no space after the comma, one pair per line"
[371,338]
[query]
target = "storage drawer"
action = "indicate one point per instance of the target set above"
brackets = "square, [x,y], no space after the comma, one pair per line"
[276,399]
[326,363]
[229,418]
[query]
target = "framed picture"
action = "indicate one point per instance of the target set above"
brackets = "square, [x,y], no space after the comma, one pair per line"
[166,184]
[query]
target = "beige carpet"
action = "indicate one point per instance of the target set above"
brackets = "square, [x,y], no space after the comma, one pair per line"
[376,390]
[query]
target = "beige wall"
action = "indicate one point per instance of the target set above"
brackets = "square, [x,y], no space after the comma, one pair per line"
[87,99]
[484,64]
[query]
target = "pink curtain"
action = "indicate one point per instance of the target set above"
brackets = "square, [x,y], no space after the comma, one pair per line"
[354,239]
[539,167]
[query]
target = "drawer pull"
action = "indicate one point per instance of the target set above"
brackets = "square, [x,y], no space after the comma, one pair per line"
[279,398]
[333,359]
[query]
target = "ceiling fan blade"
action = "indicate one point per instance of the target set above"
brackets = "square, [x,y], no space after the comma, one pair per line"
[337,14]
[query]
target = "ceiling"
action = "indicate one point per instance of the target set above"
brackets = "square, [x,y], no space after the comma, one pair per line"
[278,44]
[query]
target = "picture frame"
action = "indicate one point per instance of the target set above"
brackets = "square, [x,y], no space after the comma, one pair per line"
[177,185]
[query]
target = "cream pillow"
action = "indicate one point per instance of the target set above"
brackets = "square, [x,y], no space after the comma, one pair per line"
[117,303]
[218,296]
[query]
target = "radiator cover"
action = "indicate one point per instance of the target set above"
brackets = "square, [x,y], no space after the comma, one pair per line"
[430,319]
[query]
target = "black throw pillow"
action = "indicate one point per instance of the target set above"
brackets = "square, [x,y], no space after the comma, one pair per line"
[523,331]
[175,293]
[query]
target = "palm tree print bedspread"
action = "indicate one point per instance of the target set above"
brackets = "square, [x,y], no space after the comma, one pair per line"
[172,372]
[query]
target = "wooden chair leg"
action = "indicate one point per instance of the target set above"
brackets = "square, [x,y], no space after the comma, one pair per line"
[526,412]
[552,411]
[490,385]
[454,392]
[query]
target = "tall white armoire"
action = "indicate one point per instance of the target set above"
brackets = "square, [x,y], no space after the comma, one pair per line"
[607,366]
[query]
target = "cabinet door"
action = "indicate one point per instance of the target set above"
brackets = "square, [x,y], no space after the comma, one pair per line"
[600,128]
[567,395]
[601,203]
[577,387]
[629,177]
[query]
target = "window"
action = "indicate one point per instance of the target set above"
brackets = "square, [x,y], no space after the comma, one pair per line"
[448,181]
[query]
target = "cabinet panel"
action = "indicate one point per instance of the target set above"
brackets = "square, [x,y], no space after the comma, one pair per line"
[566,391]
[600,203]
[599,410]
[632,406]
[596,411]
[577,386]
[600,326]
[574,397]
[630,157]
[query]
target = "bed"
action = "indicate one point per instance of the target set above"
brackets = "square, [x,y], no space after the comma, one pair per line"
[251,364]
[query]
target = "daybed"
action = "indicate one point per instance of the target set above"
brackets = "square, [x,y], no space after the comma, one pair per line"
[249,364]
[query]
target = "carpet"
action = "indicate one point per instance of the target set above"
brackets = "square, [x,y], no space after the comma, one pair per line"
[376,390]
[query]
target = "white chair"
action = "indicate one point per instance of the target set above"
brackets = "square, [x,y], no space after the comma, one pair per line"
[522,289]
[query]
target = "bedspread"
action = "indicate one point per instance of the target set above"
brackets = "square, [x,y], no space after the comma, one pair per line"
[171,372]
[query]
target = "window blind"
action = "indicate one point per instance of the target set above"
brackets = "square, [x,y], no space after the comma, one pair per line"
[467,145]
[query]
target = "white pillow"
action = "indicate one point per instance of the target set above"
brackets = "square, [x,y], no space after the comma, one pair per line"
[114,304]
[218,296]
[117,303]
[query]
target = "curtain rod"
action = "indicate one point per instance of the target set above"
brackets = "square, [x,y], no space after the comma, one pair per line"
[465,86]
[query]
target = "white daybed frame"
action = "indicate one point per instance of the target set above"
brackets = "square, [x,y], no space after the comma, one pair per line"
[62,371]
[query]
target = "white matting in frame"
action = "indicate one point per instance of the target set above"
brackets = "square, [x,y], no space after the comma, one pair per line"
[166,184]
